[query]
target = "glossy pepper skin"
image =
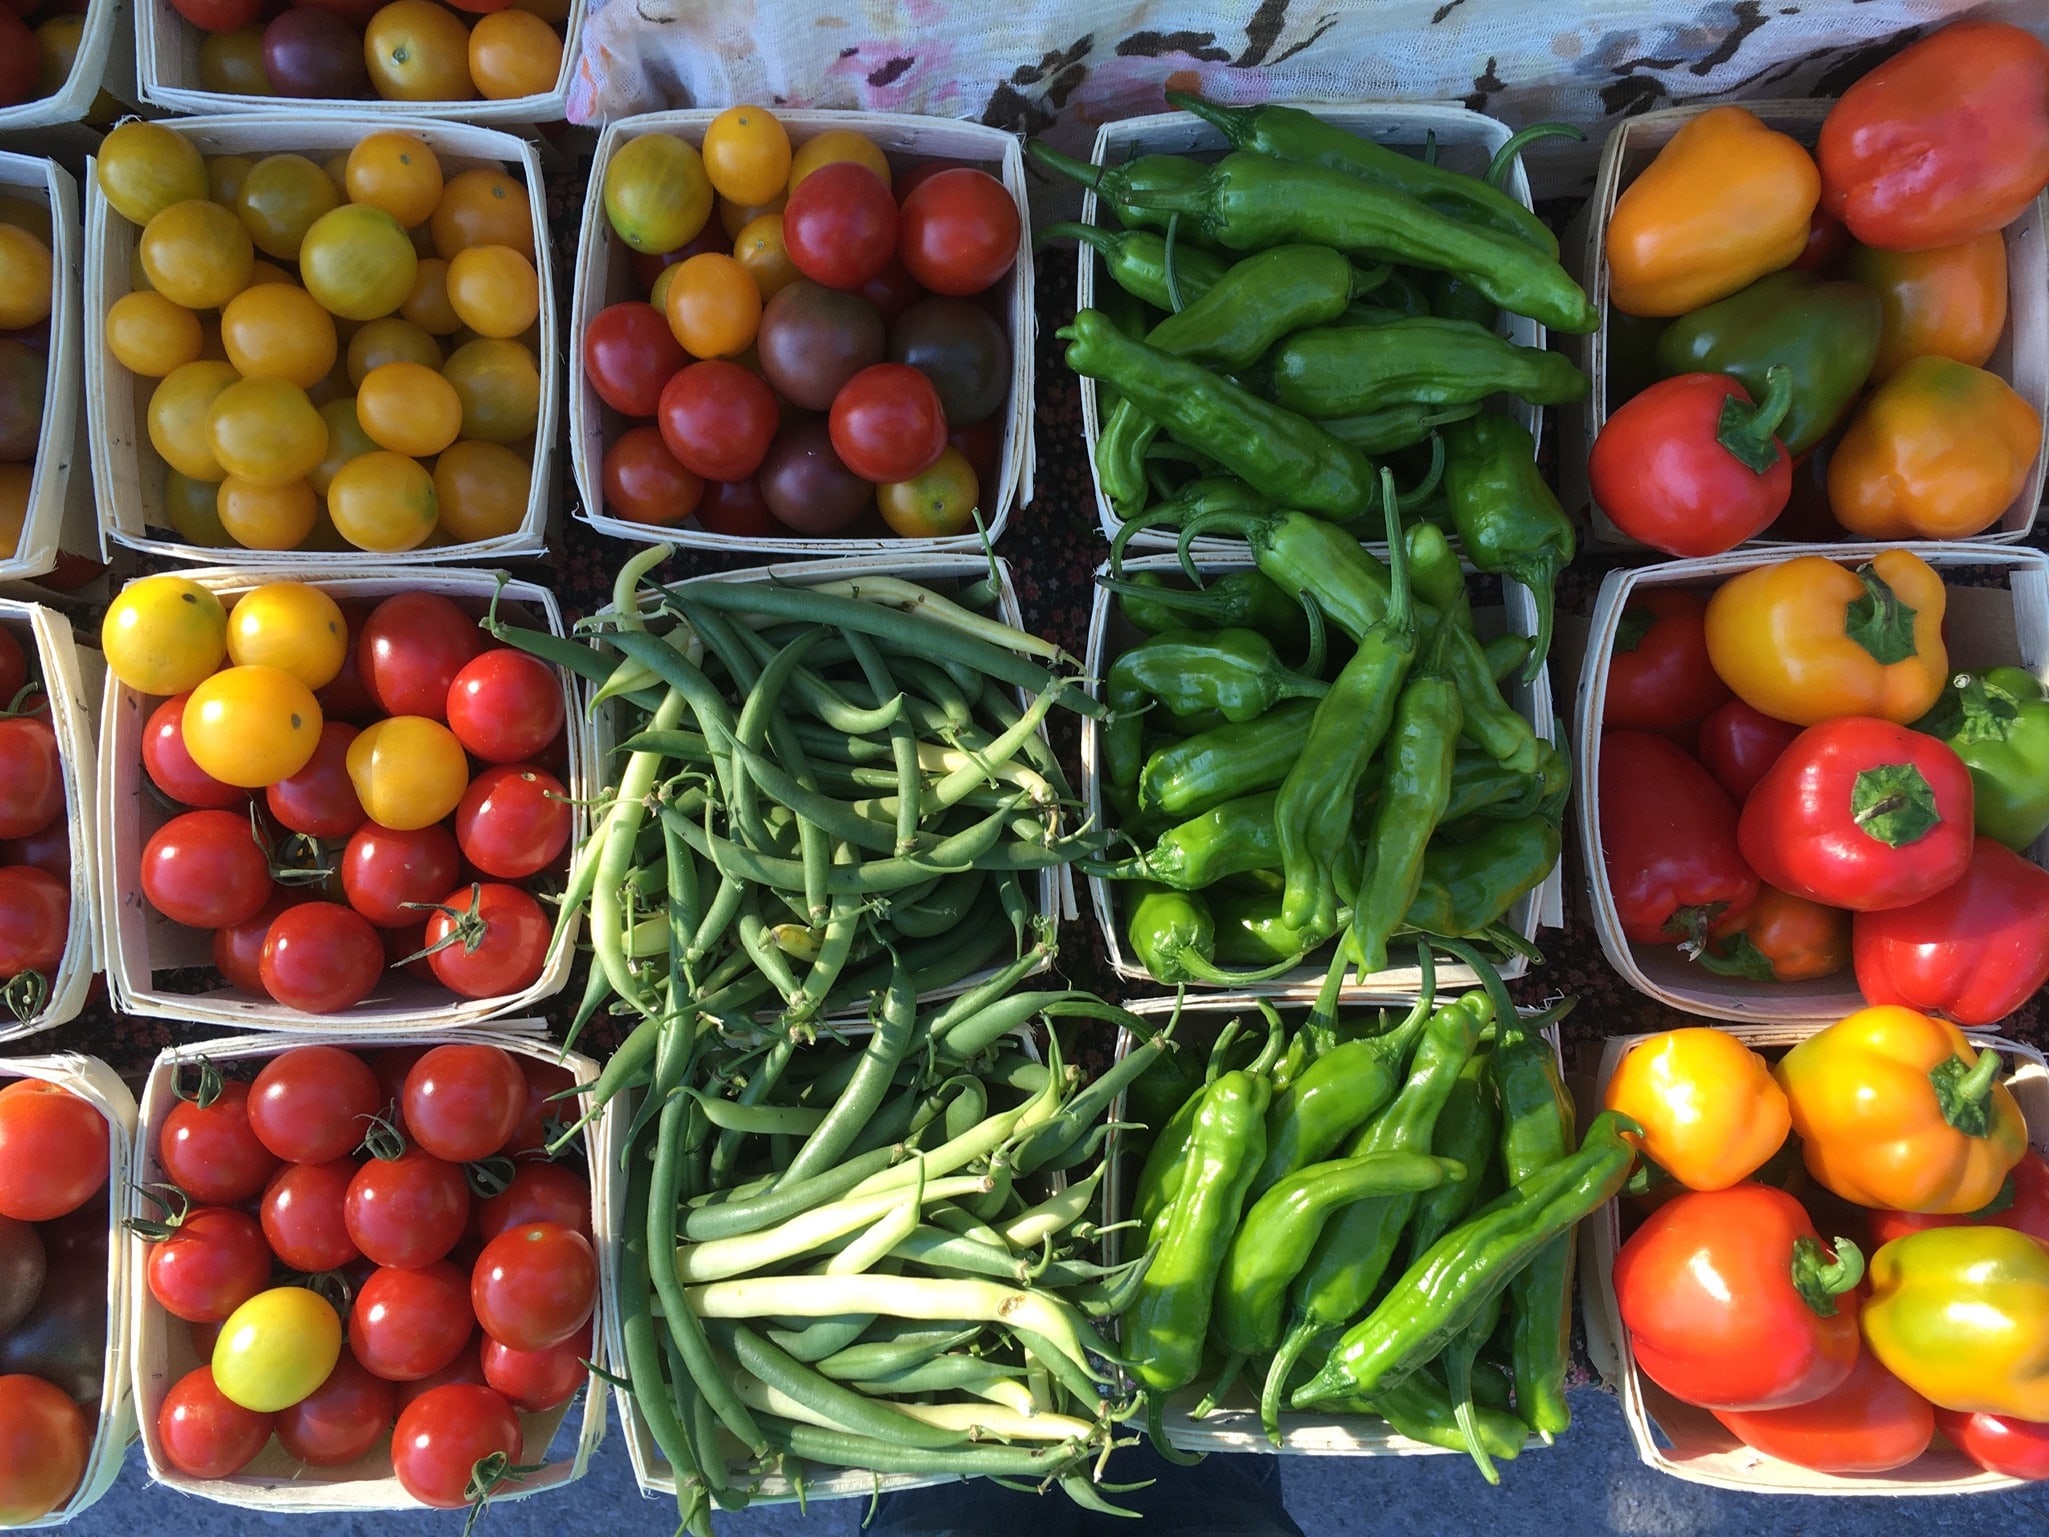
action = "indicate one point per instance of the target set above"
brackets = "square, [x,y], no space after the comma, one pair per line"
[1998,722]
[1961,1315]
[1711,1113]
[1973,952]
[1136,261]
[1145,176]
[1287,456]
[1739,743]
[1467,1129]
[1726,201]
[1508,520]
[1468,887]
[1860,813]
[1938,451]
[1947,139]
[1246,600]
[1731,1302]
[2013,1448]
[1198,773]
[1174,938]
[1779,938]
[1692,466]
[1947,301]
[1332,1098]
[1896,1109]
[2027,1212]
[1232,839]
[1659,675]
[1808,639]
[1235,673]
[1873,1423]
[1824,334]
[1668,841]
[1345,370]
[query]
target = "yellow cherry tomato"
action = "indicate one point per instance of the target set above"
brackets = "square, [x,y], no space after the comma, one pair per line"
[293,626]
[408,771]
[143,168]
[396,172]
[656,193]
[192,508]
[514,53]
[179,411]
[494,290]
[276,1348]
[225,175]
[279,200]
[383,501]
[409,409]
[418,51]
[149,335]
[428,306]
[394,339]
[346,440]
[482,207]
[713,306]
[278,331]
[251,726]
[197,254]
[163,634]
[938,502]
[834,146]
[499,385]
[25,269]
[266,517]
[358,262]
[266,431]
[747,155]
[759,248]
[483,490]
[735,217]
[231,63]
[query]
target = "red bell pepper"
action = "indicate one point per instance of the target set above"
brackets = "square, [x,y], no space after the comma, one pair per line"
[1731,1302]
[1872,1423]
[1739,742]
[1659,675]
[1860,813]
[2023,1206]
[1690,466]
[2010,1447]
[1668,841]
[1945,140]
[1973,952]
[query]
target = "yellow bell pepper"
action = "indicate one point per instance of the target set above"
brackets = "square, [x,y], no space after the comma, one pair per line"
[1710,1110]
[1961,1316]
[1726,201]
[1896,1109]
[1808,640]
[1938,451]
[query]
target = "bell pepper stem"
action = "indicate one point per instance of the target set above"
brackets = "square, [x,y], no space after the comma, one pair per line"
[1746,430]
[1820,1281]
[1879,621]
[1894,803]
[1504,157]
[1965,1093]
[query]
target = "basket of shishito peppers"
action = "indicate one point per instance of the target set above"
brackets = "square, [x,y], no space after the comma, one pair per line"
[1360,1228]
[858,1215]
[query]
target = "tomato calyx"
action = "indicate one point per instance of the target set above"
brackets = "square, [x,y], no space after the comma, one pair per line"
[487,1476]
[1965,1093]
[1819,1280]
[175,1204]
[488,1177]
[467,926]
[382,1139]
[206,1091]
[332,1286]
[25,994]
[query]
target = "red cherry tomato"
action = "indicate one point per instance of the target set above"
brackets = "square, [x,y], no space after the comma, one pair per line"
[205,869]
[645,483]
[35,918]
[214,1261]
[629,352]
[960,231]
[53,1151]
[311,1104]
[887,423]
[468,1366]
[383,869]
[505,706]
[539,1192]
[891,291]
[170,766]
[511,934]
[347,697]
[219,15]
[206,1434]
[238,948]
[304,1215]
[211,1153]
[410,1323]
[321,958]
[407,1211]
[513,821]
[412,646]
[31,776]
[320,800]
[534,1286]
[341,1420]
[535,1381]
[718,419]
[736,509]
[544,1114]
[840,225]
[442,1435]
[402,949]
[464,1102]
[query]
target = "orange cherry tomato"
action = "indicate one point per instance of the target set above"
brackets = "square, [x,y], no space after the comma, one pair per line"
[383,501]
[834,146]
[279,200]
[483,489]
[196,253]
[428,306]
[396,172]
[482,207]
[499,385]
[418,51]
[149,335]
[409,409]
[179,409]
[266,431]
[747,155]
[713,306]
[357,261]
[266,517]
[759,248]
[394,339]
[514,53]
[494,290]
[278,331]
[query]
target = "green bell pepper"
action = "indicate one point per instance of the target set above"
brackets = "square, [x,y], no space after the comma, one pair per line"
[1998,722]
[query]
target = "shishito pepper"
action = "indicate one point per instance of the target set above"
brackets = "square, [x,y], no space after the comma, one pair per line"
[1235,673]
[1896,1109]
[1175,939]
[1203,771]
[1236,600]
[1342,370]
[1537,1117]
[1226,840]
[1938,451]
[1146,175]
[1961,1316]
[1726,201]
[1469,887]
[1507,517]
[1998,723]
[1136,260]
[1824,334]
[1807,639]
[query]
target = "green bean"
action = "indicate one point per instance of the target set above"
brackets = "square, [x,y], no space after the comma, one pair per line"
[572,656]
[725,1152]
[683,911]
[957,695]
[903,746]
[837,817]
[658,1406]
[1037,750]
[840,1449]
[981,996]
[976,1032]
[714,716]
[755,1120]
[1081,1113]
[935,1249]
[1052,1216]
[830,1226]
[956,785]
[855,1411]
[760,947]
[937,962]
[911,597]
[940,911]
[597,987]
[949,1374]
[825,1338]
[834,947]
[954,854]
[864,1092]
[723,1218]
[907,1348]
[690,746]
[608,923]
[962,1223]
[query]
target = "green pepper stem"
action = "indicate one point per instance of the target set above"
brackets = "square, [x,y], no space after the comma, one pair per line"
[1504,157]
[1879,622]
[1299,1338]
[1106,241]
[1820,1281]
[1746,430]
[1401,613]
[1075,170]
[1964,1094]
[1233,123]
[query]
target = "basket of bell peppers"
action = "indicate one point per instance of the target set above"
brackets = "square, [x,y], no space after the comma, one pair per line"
[1307,754]
[1810,332]
[1837,1255]
[1810,783]
[1270,326]
[1359,1226]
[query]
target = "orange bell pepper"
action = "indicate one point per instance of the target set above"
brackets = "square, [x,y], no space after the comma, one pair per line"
[1896,1109]
[1806,640]
[1948,302]
[1710,1112]
[1938,451]
[1726,201]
